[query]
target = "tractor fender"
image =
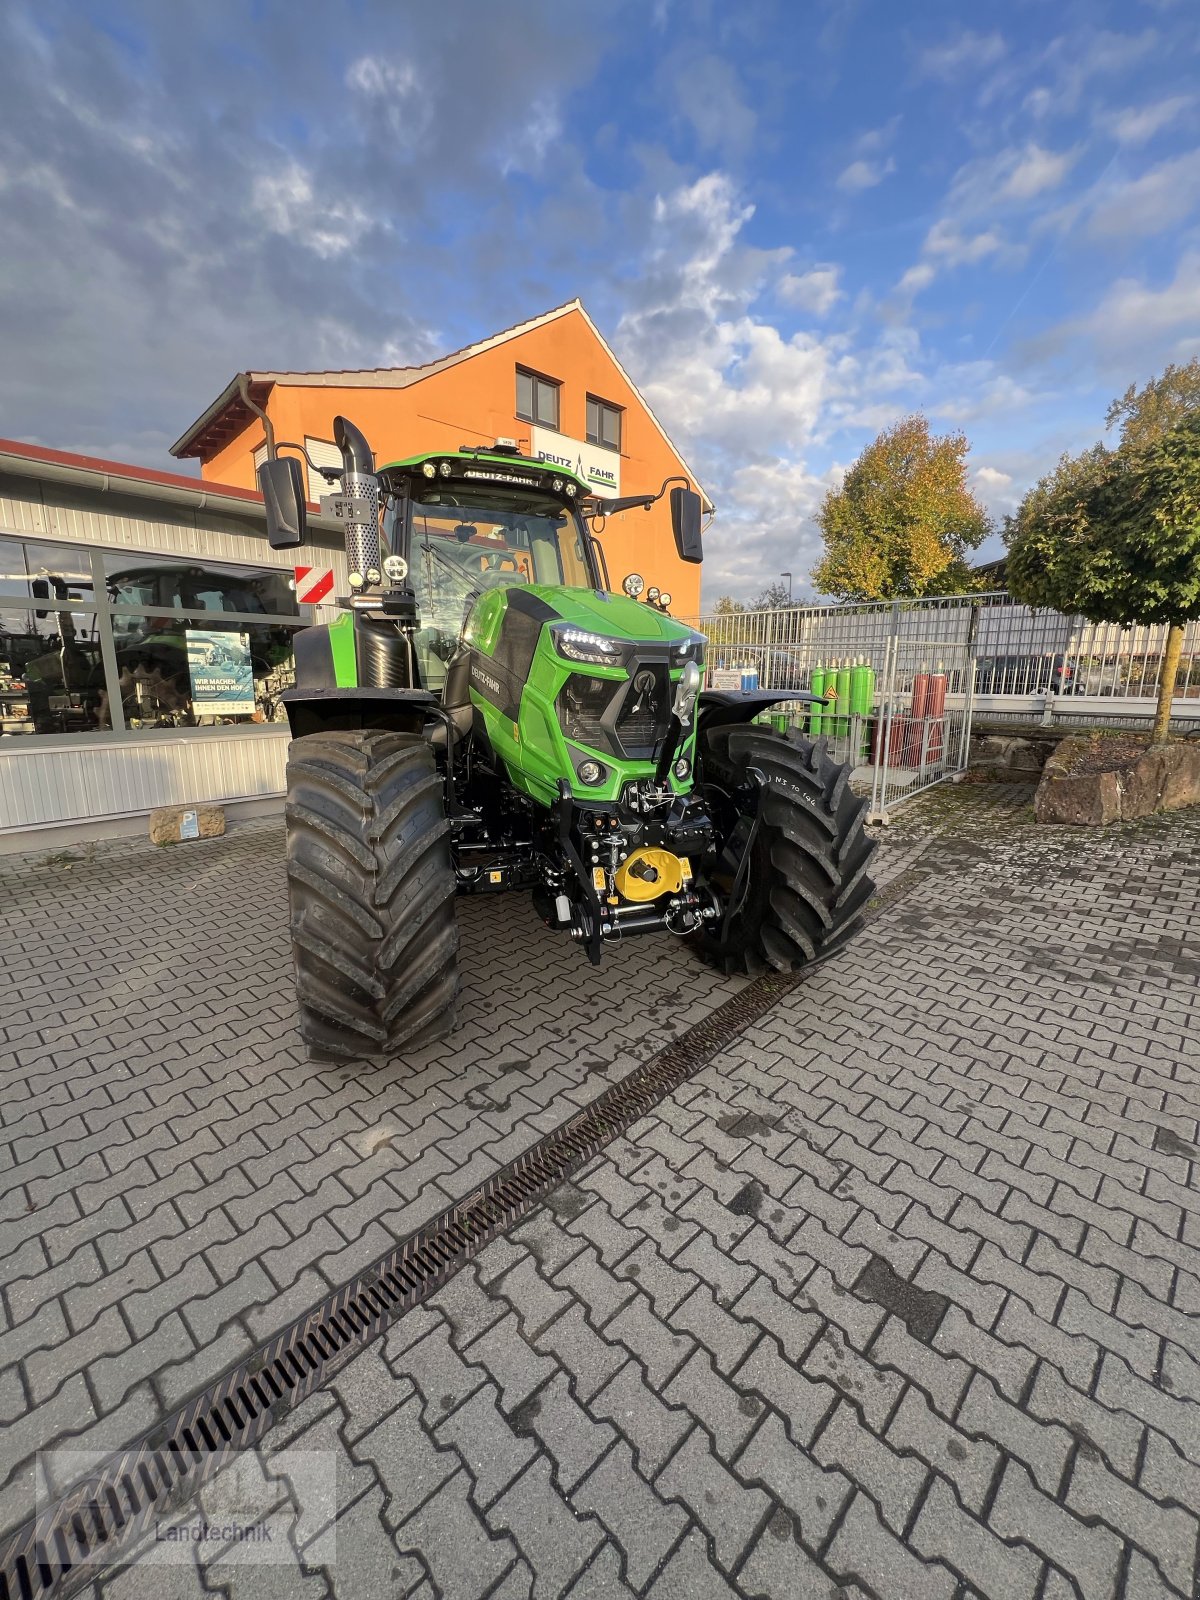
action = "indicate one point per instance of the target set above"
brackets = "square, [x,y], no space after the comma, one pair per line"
[723,707]
[352,710]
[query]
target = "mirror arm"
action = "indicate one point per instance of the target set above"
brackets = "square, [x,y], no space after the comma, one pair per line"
[609,508]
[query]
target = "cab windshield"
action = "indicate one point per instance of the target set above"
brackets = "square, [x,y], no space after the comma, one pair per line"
[461,544]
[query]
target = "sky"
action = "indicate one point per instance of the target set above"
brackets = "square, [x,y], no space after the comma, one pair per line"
[794,222]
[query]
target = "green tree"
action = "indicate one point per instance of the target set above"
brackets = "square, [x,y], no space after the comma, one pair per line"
[1146,414]
[1115,534]
[903,520]
[774,597]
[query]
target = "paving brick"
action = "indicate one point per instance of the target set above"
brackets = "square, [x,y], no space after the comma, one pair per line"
[46,1368]
[660,1350]
[1073,1354]
[443,1378]
[603,1294]
[873,1389]
[727,1414]
[1138,1346]
[801,1403]
[969,1463]
[581,1351]
[493,1453]
[864,1549]
[462,1558]
[1008,1364]
[795,1330]
[893,1481]
[943,1378]
[1123,1390]
[1043,1448]
[1167,1535]
[652,1428]
[555,1542]
[945,1531]
[643,1526]
[729,1513]
[1090,1555]
[175,1379]
[510,1362]
[409,1465]
[689,1575]
[573,1440]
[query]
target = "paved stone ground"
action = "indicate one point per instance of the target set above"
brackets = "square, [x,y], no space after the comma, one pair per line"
[178,1180]
[896,1298]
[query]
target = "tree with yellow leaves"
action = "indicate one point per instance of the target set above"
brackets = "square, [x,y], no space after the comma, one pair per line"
[903,520]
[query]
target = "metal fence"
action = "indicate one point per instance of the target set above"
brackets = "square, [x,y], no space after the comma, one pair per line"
[898,676]
[934,665]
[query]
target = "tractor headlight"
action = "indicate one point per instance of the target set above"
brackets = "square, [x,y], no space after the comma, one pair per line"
[688,650]
[591,772]
[572,490]
[445,469]
[579,645]
[682,768]
[429,470]
[686,691]
[633,585]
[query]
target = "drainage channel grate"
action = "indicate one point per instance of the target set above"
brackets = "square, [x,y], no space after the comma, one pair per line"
[75,1536]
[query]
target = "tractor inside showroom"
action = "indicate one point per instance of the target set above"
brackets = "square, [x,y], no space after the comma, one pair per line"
[486,715]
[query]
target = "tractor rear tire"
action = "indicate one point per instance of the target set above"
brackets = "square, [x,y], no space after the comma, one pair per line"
[371,892]
[806,883]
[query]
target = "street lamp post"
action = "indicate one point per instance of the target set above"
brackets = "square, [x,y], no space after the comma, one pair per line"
[788,576]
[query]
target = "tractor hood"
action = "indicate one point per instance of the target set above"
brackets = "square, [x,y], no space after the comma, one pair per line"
[613,615]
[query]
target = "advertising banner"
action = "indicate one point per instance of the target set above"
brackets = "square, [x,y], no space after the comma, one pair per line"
[220,671]
[599,468]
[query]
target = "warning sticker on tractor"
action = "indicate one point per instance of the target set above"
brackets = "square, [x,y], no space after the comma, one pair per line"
[221,673]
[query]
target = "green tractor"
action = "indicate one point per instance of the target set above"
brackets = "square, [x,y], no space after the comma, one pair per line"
[486,715]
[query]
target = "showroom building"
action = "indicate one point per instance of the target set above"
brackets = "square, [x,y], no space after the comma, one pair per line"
[145,640]
[551,384]
[146,624]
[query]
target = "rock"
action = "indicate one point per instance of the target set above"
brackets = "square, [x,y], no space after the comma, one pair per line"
[166,823]
[1163,778]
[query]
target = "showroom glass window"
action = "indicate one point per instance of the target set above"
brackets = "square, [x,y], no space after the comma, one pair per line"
[95,641]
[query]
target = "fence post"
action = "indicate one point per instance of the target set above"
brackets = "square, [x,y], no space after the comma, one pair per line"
[883,724]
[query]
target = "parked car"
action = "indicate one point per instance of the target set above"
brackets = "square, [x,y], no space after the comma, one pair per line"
[1048,674]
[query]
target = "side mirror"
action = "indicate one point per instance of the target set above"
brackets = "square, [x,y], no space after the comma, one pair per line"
[686,511]
[282,484]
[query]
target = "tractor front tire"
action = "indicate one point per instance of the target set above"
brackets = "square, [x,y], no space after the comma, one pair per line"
[806,882]
[371,892]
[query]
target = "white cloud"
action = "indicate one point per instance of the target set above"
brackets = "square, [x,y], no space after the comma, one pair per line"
[1035,170]
[992,477]
[287,203]
[1133,316]
[970,52]
[816,290]
[1165,195]
[917,278]
[952,248]
[1137,124]
[876,139]
[864,174]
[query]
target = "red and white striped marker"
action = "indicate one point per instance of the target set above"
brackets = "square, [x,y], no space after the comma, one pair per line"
[313,584]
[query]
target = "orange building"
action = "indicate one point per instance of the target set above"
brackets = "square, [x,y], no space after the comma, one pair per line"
[552,384]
